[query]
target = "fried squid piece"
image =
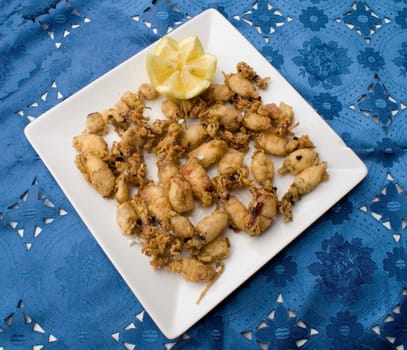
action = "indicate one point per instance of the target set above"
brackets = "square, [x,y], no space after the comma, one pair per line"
[193,136]
[193,108]
[128,164]
[239,140]
[131,106]
[230,162]
[162,247]
[169,145]
[167,167]
[144,217]
[299,160]
[170,109]
[126,217]
[157,202]
[244,83]
[281,146]
[209,153]
[181,226]
[97,173]
[215,251]
[117,119]
[180,194]
[282,117]
[241,86]
[238,213]
[193,270]
[225,183]
[95,124]
[303,183]
[279,114]
[262,168]
[248,72]
[217,93]
[227,116]
[136,170]
[214,130]
[200,183]
[256,122]
[131,141]
[122,189]
[147,91]
[91,144]
[262,210]
[208,229]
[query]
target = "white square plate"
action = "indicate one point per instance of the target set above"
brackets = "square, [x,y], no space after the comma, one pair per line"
[169,300]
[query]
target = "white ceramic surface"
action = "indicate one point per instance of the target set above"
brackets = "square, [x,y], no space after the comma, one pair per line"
[169,300]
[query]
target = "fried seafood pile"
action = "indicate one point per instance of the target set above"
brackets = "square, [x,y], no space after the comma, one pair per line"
[212,130]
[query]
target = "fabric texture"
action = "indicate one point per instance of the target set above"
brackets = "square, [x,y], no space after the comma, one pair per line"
[341,285]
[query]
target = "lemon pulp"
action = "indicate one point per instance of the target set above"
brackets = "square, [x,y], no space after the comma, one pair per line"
[180,69]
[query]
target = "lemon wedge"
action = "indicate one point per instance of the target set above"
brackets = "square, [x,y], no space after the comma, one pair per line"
[180,69]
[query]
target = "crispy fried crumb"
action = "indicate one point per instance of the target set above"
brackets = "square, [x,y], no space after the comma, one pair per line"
[227,118]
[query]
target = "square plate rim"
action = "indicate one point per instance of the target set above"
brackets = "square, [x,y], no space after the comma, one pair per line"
[170,331]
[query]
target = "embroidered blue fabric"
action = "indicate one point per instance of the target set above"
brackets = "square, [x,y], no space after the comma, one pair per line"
[341,285]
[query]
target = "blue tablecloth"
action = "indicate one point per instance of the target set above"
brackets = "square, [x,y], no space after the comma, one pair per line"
[341,285]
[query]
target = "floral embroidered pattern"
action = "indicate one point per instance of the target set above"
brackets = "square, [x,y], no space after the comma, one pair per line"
[401,61]
[141,334]
[281,331]
[264,17]
[391,206]
[21,331]
[81,268]
[161,17]
[74,298]
[273,56]
[313,18]
[44,102]
[340,212]
[210,333]
[31,212]
[59,21]
[343,268]
[323,62]
[31,11]
[377,103]
[387,151]
[395,327]
[327,105]
[345,331]
[401,18]
[11,73]
[396,263]
[371,59]
[362,19]
[281,271]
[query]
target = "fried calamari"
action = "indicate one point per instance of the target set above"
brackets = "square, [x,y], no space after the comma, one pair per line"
[200,146]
